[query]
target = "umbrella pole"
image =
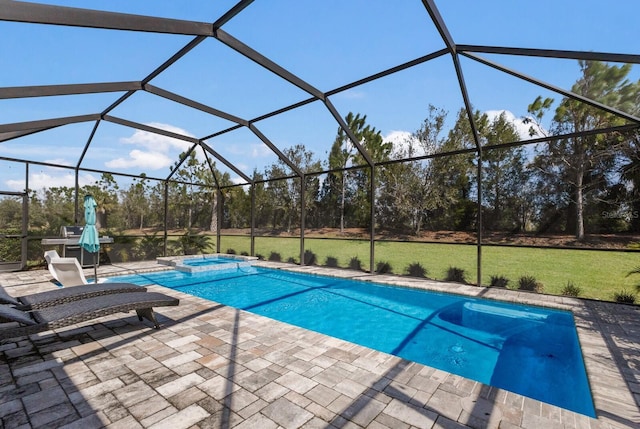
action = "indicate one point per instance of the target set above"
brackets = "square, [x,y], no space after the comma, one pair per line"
[95,269]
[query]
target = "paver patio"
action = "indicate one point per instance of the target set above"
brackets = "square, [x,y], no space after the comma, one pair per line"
[212,366]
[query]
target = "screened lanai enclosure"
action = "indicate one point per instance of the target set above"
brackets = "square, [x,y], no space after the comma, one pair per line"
[468,141]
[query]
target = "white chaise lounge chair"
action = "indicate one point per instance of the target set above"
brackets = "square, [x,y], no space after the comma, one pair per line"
[67,271]
[49,255]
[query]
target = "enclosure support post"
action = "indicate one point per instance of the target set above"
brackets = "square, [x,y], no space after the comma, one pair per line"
[303,188]
[253,219]
[219,202]
[166,216]
[479,217]
[24,242]
[372,208]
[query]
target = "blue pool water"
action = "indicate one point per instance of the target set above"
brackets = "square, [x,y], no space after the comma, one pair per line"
[528,350]
[210,260]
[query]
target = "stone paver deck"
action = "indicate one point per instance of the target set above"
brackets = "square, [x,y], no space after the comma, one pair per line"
[212,366]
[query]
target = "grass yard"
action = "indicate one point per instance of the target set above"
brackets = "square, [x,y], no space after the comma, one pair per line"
[598,274]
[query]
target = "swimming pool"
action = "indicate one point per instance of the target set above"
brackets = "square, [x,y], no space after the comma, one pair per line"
[524,349]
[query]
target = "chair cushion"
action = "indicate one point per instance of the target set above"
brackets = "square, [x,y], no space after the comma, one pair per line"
[10,314]
[5,298]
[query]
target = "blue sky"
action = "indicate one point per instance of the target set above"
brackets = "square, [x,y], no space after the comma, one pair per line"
[326,43]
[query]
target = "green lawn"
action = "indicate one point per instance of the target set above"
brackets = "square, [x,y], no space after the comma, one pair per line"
[599,274]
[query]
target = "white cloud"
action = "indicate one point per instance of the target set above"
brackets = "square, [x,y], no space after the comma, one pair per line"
[398,137]
[15,185]
[521,128]
[59,161]
[237,180]
[156,151]
[149,160]
[401,141]
[42,180]
[260,151]
[158,142]
[242,166]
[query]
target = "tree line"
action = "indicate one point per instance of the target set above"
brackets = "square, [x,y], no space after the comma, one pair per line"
[566,182]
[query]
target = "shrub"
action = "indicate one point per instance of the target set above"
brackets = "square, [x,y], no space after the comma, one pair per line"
[291,260]
[260,256]
[355,264]
[310,258]
[244,253]
[275,257]
[150,246]
[123,246]
[455,274]
[571,289]
[529,283]
[624,297]
[231,252]
[331,262]
[499,281]
[636,270]
[192,244]
[383,268]
[417,270]
[10,250]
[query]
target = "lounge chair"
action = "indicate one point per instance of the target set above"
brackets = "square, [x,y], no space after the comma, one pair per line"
[48,256]
[67,271]
[66,294]
[19,323]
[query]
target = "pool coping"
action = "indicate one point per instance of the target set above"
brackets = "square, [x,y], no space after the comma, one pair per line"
[615,390]
[609,335]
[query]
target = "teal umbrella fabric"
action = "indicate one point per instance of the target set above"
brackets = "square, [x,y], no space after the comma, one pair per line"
[89,239]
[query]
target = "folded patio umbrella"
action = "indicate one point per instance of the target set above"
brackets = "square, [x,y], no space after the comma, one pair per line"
[89,239]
